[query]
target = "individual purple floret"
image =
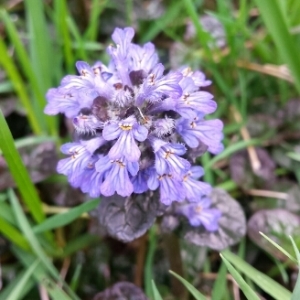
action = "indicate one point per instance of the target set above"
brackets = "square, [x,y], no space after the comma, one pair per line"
[137,127]
[201,214]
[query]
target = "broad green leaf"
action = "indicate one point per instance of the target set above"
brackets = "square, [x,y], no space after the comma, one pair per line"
[190,287]
[63,219]
[266,283]
[248,292]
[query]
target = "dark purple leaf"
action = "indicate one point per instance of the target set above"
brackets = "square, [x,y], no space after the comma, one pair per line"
[8,105]
[193,153]
[62,194]
[232,224]
[291,110]
[128,218]
[121,291]
[40,160]
[193,257]
[169,223]
[244,176]
[277,224]
[260,123]
[292,203]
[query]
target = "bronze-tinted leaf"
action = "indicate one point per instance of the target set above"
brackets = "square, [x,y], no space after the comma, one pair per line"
[245,177]
[277,224]
[40,160]
[121,291]
[8,105]
[128,218]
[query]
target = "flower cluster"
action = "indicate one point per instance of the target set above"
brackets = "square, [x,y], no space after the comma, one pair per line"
[137,126]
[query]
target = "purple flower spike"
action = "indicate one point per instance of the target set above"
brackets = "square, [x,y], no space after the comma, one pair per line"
[137,126]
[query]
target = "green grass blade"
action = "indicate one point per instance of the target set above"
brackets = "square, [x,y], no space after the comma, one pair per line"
[40,47]
[81,53]
[266,283]
[27,69]
[190,287]
[84,241]
[7,214]
[95,12]
[33,240]
[13,74]
[220,284]
[160,24]
[248,292]
[19,172]
[17,292]
[156,294]
[75,278]
[296,291]
[148,273]
[42,277]
[6,86]
[61,14]
[278,247]
[203,36]
[28,233]
[8,289]
[232,149]
[13,235]
[284,41]
[293,155]
[63,219]
[31,141]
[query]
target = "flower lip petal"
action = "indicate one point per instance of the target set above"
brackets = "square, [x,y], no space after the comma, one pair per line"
[111,131]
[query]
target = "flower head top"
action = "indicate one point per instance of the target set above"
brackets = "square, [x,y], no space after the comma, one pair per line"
[137,125]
